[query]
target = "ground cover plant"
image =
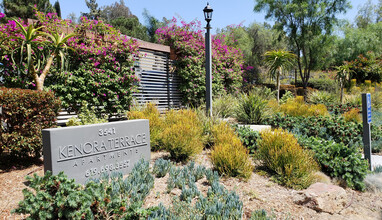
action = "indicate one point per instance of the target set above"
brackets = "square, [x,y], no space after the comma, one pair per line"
[248,137]
[339,160]
[113,197]
[334,127]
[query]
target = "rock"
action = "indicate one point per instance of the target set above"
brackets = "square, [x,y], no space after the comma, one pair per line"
[323,197]
[373,182]
[322,177]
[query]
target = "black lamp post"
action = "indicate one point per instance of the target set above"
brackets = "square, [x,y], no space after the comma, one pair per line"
[208,17]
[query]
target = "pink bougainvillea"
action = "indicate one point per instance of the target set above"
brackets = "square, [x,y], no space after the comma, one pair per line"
[188,42]
[98,54]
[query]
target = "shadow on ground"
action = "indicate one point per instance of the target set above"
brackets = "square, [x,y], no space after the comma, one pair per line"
[10,163]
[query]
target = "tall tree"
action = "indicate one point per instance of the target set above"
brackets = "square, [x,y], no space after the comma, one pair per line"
[379,11]
[24,8]
[115,11]
[366,14]
[278,61]
[152,25]
[57,8]
[73,17]
[121,18]
[130,27]
[94,11]
[307,24]
[356,41]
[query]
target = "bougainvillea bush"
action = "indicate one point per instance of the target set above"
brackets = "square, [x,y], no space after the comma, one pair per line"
[98,65]
[188,43]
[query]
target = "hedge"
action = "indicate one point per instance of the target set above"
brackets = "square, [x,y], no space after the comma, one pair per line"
[24,114]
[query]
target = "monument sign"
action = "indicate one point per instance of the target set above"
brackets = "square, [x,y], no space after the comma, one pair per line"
[88,151]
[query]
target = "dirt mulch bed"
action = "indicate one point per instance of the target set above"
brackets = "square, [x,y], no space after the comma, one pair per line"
[258,192]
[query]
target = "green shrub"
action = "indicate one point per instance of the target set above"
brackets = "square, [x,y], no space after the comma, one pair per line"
[339,109]
[24,114]
[322,97]
[150,112]
[339,160]
[86,116]
[287,96]
[376,137]
[335,127]
[251,109]
[99,87]
[292,165]
[224,106]
[264,92]
[110,197]
[182,135]
[376,99]
[248,137]
[228,155]
[207,124]
[325,84]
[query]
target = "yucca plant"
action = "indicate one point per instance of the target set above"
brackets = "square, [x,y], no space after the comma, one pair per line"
[251,109]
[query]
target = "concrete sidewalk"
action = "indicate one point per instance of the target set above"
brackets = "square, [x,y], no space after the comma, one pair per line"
[376,160]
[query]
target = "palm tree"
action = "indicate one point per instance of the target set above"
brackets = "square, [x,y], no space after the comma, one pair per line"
[55,47]
[278,61]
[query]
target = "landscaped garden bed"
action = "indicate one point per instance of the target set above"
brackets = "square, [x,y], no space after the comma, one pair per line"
[309,165]
[257,193]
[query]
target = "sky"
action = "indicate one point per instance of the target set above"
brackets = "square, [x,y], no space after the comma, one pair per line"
[226,12]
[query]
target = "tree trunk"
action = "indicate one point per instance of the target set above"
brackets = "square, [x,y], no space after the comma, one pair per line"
[278,86]
[342,91]
[40,79]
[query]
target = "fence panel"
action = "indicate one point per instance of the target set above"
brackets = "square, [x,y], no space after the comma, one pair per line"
[157,83]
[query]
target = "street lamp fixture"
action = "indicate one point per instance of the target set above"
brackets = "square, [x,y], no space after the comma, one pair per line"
[208,13]
[208,16]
